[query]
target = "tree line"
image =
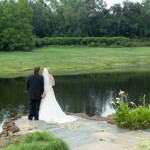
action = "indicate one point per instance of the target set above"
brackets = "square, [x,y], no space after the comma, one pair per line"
[23,20]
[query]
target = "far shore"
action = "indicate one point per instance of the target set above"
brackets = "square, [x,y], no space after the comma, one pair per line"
[25,74]
[73,60]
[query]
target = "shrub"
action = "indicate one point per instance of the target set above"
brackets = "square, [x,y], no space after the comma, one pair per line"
[121,115]
[135,117]
[83,41]
[143,146]
[39,141]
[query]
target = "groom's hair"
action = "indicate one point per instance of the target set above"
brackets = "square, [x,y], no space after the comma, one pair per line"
[36,69]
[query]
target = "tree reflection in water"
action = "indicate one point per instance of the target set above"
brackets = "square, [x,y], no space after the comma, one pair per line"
[91,94]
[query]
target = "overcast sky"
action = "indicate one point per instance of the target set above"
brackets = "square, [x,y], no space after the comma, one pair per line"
[112,2]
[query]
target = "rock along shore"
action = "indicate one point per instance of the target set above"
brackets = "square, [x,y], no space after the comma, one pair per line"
[87,133]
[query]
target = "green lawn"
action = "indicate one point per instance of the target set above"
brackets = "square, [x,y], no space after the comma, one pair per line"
[38,141]
[64,60]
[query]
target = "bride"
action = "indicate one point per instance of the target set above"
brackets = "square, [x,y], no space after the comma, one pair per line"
[50,110]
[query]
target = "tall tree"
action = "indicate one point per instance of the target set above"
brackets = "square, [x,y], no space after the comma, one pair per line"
[98,17]
[43,20]
[16,33]
[132,13]
[146,18]
[115,20]
[70,17]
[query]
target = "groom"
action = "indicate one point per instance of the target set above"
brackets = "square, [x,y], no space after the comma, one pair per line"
[35,88]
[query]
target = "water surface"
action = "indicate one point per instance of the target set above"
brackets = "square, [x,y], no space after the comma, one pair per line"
[91,94]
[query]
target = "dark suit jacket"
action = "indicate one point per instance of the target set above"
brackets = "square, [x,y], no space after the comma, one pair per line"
[35,86]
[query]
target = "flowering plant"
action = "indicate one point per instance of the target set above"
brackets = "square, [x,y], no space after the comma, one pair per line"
[145,145]
[135,117]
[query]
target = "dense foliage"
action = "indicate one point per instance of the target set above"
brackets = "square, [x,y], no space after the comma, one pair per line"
[20,20]
[144,145]
[39,141]
[135,117]
[138,118]
[90,18]
[15,25]
[91,41]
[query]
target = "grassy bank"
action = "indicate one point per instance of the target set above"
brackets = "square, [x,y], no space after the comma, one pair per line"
[38,141]
[64,60]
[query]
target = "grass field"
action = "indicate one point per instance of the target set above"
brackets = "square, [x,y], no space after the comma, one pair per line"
[65,60]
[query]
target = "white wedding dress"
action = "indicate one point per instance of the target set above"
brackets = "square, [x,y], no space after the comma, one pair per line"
[50,111]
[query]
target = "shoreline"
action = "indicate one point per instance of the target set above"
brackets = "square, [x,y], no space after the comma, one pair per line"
[86,133]
[12,132]
[25,75]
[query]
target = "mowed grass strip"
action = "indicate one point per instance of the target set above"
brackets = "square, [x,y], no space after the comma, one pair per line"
[65,60]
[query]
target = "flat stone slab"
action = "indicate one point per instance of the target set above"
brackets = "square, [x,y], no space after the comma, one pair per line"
[81,140]
[86,134]
[88,130]
[65,133]
[100,145]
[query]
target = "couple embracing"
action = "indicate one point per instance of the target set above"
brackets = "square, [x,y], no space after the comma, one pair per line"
[43,104]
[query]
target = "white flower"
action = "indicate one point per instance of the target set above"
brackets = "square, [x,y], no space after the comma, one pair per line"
[118,102]
[113,103]
[121,92]
[132,103]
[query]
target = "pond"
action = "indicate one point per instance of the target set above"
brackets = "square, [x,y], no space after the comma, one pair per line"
[91,94]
